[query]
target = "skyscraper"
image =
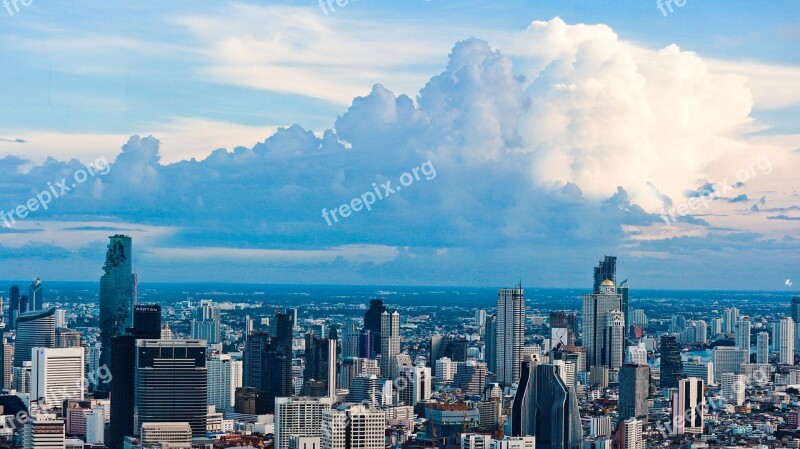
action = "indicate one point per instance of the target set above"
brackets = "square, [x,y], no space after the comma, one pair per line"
[634,389]
[671,362]
[35,295]
[729,320]
[117,293]
[171,383]
[57,374]
[606,270]
[796,309]
[320,366]
[510,333]
[390,342]
[351,341]
[13,307]
[545,407]
[688,405]
[596,309]
[353,427]
[632,435]
[372,323]
[147,321]
[206,323]
[454,348]
[298,416]
[786,350]
[490,347]
[34,329]
[762,347]
[567,321]
[624,292]
[613,342]
[742,329]
[268,361]
[224,376]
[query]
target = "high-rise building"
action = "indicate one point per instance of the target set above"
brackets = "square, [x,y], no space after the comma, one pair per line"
[43,431]
[320,371]
[35,292]
[453,348]
[490,347]
[166,434]
[171,383]
[390,342]
[671,362]
[96,425]
[224,376]
[742,330]
[353,427]
[118,292]
[567,321]
[733,388]
[256,347]
[596,309]
[688,405]
[613,343]
[206,323]
[7,365]
[34,329]
[632,435]
[480,320]
[14,307]
[762,347]
[796,309]
[786,349]
[728,359]
[634,389]
[57,374]
[372,323]
[147,321]
[510,334]
[624,292]
[471,377]
[700,370]
[351,341]
[606,270]
[729,319]
[546,407]
[298,416]
[267,363]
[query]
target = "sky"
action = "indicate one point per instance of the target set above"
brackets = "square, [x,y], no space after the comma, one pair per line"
[424,142]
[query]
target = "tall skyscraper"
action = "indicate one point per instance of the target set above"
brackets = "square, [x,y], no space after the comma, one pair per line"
[171,383]
[206,323]
[372,323]
[688,406]
[671,362]
[546,407]
[606,270]
[117,293]
[613,343]
[224,376]
[634,389]
[733,388]
[510,333]
[147,321]
[786,350]
[596,309]
[57,374]
[351,341]
[729,319]
[762,347]
[390,342]
[34,329]
[742,330]
[624,292]
[268,361]
[490,347]
[319,376]
[35,292]
[256,348]
[13,307]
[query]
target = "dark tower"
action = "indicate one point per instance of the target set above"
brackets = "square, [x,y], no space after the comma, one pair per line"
[147,321]
[795,310]
[671,362]
[13,307]
[372,322]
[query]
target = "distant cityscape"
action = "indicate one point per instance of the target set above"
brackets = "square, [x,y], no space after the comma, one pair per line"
[173,366]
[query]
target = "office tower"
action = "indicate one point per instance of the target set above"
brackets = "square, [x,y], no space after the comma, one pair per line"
[510,333]
[632,436]
[786,349]
[700,370]
[34,329]
[796,309]
[639,318]
[224,376]
[677,324]
[716,326]
[729,319]
[634,389]
[599,426]
[624,292]
[147,321]
[733,388]
[268,361]
[728,359]
[95,425]
[762,347]
[688,405]
[606,270]
[7,365]
[701,332]
[446,369]
[43,431]
[671,362]
[22,378]
[206,323]
[545,407]
[293,316]
[449,347]
[320,366]
[57,374]
[490,347]
[256,348]
[14,307]
[390,342]
[366,345]
[613,343]
[117,293]
[742,330]
[35,295]
[471,377]
[480,319]
[171,383]
[166,435]
[353,427]
[596,308]
[372,323]
[298,416]
[568,321]
[351,343]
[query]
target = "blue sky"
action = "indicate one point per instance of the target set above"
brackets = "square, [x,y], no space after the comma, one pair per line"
[559,131]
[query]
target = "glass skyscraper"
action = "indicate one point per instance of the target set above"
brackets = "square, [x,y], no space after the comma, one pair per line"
[117,293]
